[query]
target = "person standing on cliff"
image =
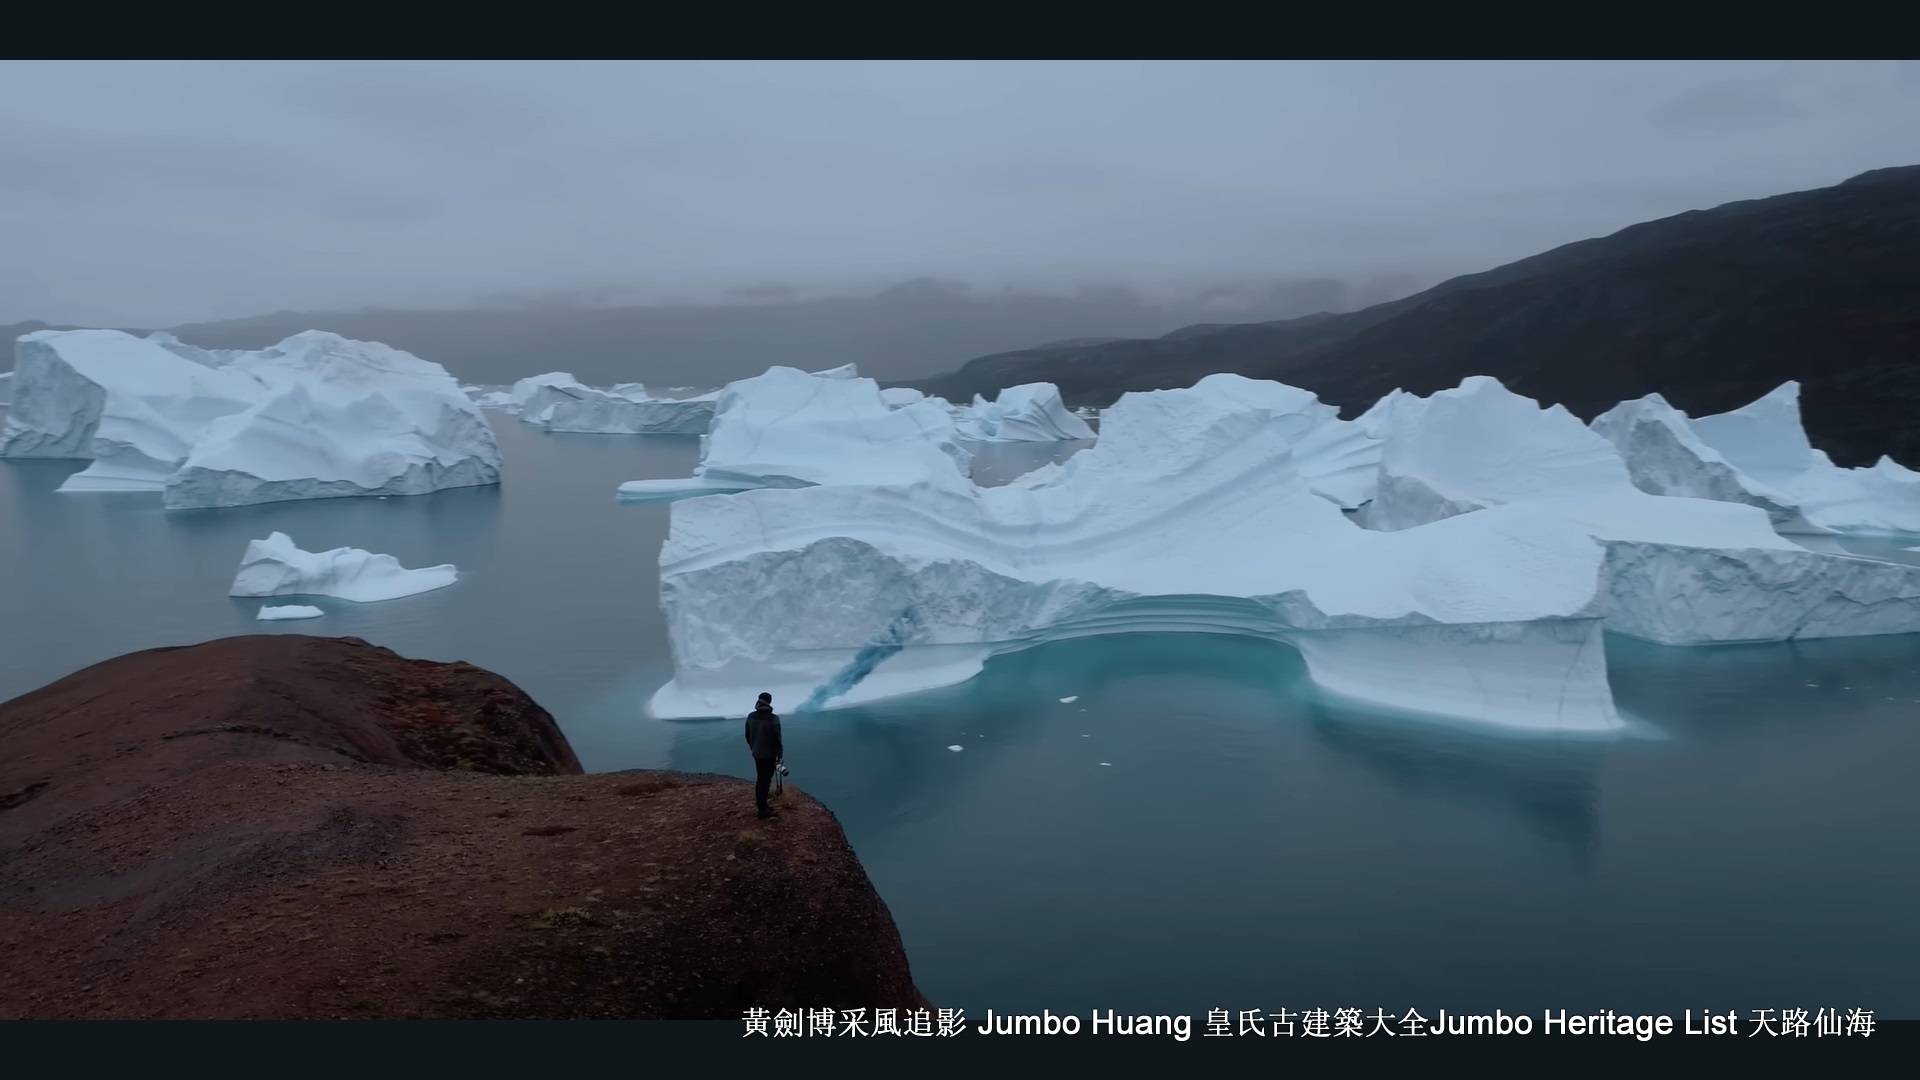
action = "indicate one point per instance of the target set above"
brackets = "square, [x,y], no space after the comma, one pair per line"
[763,739]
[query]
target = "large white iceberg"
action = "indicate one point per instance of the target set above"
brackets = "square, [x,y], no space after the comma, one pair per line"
[315,416]
[276,567]
[132,406]
[337,418]
[1196,512]
[1030,412]
[1186,516]
[1759,454]
[788,428]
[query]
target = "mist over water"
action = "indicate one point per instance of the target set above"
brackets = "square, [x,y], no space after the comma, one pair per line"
[1198,829]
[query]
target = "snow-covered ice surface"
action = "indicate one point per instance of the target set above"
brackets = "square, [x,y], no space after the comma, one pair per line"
[1481,445]
[315,416]
[788,428]
[1512,535]
[276,567]
[1759,455]
[899,397]
[271,613]
[1030,412]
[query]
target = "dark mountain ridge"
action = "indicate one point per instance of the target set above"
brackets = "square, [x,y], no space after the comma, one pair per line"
[1711,308]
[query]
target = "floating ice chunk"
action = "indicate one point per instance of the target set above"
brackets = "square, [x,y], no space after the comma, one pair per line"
[1070,699]
[275,567]
[956,748]
[339,418]
[1030,412]
[269,613]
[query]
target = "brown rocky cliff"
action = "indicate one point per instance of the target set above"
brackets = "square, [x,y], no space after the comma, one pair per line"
[288,826]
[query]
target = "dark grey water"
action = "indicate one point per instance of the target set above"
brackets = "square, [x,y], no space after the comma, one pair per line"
[1247,845]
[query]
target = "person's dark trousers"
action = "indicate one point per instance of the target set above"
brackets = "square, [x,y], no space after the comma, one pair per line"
[763,769]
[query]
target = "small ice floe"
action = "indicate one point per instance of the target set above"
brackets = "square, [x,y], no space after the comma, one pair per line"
[1108,764]
[1070,699]
[956,748]
[289,611]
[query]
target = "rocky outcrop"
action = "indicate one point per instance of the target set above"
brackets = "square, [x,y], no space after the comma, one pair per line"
[289,826]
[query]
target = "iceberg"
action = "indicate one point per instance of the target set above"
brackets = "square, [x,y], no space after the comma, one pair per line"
[132,406]
[1030,412]
[789,428]
[6,387]
[1759,455]
[1516,538]
[559,402]
[315,416]
[338,418]
[270,613]
[275,567]
[535,394]
[590,411]
[867,589]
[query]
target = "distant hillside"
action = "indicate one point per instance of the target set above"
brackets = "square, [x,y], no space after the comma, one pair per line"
[911,330]
[1711,308]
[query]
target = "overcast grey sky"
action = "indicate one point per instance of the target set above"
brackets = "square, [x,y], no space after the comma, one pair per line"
[159,193]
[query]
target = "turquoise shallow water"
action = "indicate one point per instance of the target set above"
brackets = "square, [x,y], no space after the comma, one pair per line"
[1245,845]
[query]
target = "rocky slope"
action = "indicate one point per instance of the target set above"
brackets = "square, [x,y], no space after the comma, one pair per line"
[289,826]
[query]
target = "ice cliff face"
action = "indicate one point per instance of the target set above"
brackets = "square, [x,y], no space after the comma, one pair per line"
[276,567]
[316,416]
[132,406]
[1759,454]
[1507,538]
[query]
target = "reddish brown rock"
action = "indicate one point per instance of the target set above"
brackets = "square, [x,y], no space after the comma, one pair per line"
[288,826]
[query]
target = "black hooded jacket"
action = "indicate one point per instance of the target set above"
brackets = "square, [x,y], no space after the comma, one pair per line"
[763,734]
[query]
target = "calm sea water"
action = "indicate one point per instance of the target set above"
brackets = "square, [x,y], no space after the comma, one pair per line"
[1198,829]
